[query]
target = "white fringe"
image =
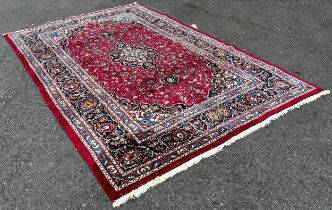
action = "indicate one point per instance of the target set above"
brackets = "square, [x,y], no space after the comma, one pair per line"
[194,25]
[142,189]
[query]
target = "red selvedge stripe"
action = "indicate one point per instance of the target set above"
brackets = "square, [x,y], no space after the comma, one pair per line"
[65,125]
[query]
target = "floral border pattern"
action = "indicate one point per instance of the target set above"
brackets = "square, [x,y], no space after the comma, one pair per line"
[85,111]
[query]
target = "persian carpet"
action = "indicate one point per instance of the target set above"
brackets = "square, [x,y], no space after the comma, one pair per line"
[143,96]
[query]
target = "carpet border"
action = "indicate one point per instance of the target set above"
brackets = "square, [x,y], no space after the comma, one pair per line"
[137,192]
[116,195]
[80,147]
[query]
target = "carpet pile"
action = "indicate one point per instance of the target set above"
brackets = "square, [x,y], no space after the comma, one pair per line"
[143,96]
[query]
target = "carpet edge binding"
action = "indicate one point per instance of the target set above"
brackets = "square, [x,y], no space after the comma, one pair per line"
[142,189]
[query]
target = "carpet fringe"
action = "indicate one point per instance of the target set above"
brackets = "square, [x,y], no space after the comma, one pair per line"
[194,26]
[142,189]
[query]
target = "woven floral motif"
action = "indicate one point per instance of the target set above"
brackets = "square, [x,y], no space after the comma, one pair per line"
[143,93]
